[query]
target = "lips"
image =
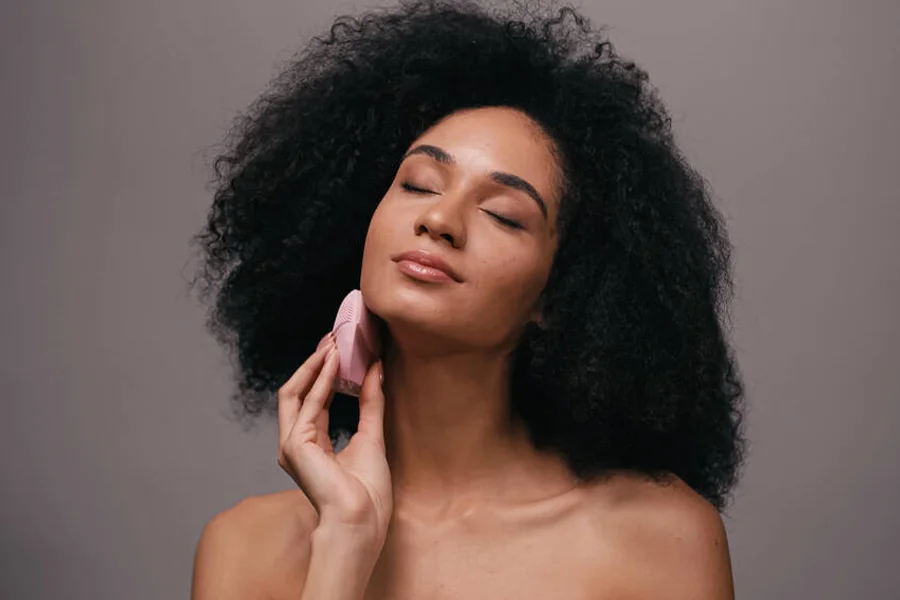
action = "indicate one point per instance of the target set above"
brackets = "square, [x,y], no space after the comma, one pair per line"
[430,260]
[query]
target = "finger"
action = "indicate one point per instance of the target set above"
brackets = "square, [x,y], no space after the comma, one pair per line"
[314,471]
[322,389]
[303,376]
[291,393]
[322,437]
[371,403]
[289,405]
[328,337]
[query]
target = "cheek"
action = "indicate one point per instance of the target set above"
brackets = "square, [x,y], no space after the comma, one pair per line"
[389,229]
[513,281]
[376,257]
[372,246]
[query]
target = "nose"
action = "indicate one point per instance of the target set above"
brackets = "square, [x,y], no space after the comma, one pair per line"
[443,220]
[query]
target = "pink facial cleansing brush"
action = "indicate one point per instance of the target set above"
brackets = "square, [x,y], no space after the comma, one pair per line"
[357,343]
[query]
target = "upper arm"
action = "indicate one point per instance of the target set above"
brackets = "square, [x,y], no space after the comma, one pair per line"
[259,548]
[686,546]
[220,561]
[660,540]
[695,557]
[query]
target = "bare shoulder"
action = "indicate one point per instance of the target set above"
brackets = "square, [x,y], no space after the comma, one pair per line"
[272,511]
[668,510]
[670,537]
[255,549]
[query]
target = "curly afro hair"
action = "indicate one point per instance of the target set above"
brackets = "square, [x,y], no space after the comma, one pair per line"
[632,370]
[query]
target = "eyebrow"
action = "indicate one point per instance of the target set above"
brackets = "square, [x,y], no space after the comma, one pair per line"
[507,179]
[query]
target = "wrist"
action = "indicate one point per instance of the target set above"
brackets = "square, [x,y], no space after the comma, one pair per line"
[341,564]
[360,524]
[347,540]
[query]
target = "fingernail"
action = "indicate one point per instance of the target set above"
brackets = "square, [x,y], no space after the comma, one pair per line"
[323,340]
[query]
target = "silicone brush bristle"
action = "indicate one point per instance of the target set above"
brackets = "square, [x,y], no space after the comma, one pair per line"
[348,311]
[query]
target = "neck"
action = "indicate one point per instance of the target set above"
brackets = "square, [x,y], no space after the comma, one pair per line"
[451,439]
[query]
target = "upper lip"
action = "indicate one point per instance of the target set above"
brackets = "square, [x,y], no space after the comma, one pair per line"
[429,260]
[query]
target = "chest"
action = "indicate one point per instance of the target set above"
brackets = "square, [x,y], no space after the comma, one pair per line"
[518,564]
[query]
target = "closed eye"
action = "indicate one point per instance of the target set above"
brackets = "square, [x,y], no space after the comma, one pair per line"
[500,219]
[504,221]
[414,190]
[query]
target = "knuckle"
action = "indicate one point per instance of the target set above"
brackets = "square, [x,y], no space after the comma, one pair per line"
[354,511]
[284,461]
[357,509]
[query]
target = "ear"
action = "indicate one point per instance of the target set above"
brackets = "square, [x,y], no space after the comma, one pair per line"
[537,315]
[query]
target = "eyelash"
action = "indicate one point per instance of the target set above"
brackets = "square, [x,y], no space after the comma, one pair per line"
[503,220]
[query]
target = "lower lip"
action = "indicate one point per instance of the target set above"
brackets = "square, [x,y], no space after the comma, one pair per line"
[419,271]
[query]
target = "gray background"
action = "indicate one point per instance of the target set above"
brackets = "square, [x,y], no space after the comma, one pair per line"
[115,448]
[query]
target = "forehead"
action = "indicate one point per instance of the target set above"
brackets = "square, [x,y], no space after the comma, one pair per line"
[497,139]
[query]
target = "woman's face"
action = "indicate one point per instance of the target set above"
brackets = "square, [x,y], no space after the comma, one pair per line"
[477,191]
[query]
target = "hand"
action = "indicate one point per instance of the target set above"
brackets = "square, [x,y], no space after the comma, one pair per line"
[350,489]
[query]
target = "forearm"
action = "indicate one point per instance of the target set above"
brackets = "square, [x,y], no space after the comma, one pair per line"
[340,566]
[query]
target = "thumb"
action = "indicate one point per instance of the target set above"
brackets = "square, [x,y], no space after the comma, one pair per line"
[371,403]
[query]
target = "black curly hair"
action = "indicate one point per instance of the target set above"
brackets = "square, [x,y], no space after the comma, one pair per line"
[632,370]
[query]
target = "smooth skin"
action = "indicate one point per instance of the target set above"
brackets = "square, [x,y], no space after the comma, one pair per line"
[440,493]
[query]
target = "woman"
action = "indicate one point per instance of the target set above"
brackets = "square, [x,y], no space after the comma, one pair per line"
[556,413]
